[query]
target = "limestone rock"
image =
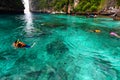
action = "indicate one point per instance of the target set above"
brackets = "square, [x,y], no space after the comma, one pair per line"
[11,6]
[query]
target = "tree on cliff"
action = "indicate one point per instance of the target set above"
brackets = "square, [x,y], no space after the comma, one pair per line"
[65,5]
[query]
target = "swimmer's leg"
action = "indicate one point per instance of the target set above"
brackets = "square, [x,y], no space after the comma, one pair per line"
[33,44]
[27,46]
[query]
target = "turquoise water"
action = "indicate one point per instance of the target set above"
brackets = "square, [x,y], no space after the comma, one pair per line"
[65,48]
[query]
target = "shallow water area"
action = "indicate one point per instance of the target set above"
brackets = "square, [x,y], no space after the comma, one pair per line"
[66,48]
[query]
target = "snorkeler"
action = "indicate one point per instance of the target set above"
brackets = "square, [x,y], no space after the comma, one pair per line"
[114,34]
[96,31]
[19,44]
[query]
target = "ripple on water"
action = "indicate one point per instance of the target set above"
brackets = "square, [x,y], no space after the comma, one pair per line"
[66,48]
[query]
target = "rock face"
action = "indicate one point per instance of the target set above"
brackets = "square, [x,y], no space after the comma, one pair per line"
[49,6]
[109,7]
[11,6]
[111,3]
[74,6]
[76,3]
[40,5]
[117,16]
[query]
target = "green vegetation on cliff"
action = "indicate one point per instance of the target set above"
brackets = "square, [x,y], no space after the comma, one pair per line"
[82,5]
[118,2]
[87,5]
[62,5]
[57,5]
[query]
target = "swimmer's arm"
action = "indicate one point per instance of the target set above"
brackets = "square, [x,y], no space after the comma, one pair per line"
[117,36]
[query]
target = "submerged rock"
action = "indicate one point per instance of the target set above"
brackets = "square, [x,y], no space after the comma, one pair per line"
[54,25]
[106,68]
[34,74]
[57,48]
[60,74]
[56,73]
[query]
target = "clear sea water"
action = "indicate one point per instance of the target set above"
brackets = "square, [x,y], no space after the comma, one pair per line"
[65,49]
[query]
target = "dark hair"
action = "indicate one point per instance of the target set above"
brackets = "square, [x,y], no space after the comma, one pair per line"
[19,45]
[16,41]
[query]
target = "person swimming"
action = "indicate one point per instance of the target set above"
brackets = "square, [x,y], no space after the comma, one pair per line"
[96,31]
[19,44]
[114,34]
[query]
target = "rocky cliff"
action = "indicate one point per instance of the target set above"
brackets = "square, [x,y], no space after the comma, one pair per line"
[102,7]
[50,5]
[109,7]
[40,5]
[67,6]
[73,6]
[11,6]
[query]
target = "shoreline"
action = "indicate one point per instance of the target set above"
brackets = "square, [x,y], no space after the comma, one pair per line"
[87,14]
[105,15]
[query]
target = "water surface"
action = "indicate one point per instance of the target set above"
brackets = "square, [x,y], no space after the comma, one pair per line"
[66,48]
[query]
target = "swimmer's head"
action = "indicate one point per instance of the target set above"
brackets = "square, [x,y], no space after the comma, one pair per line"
[97,31]
[16,41]
[113,34]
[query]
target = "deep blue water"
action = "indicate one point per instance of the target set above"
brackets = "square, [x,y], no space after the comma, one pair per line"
[65,49]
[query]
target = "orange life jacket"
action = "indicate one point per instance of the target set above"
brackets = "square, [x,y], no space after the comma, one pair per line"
[20,45]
